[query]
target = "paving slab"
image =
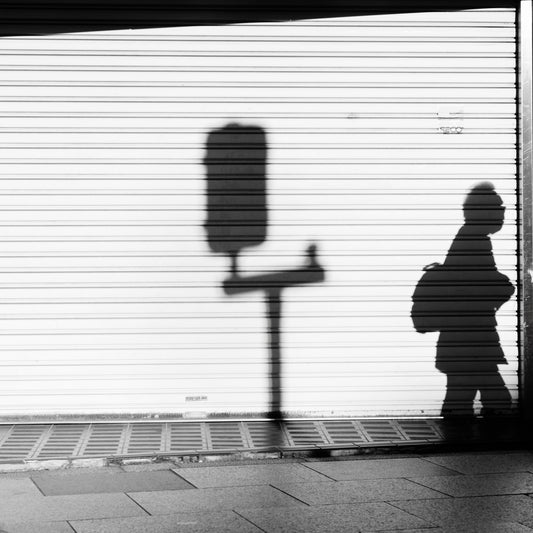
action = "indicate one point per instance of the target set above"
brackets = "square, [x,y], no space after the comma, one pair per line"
[380,468]
[219,522]
[365,490]
[15,475]
[171,502]
[527,523]
[332,518]
[495,527]
[480,485]
[33,527]
[462,512]
[228,476]
[18,487]
[108,470]
[101,482]
[58,508]
[148,467]
[485,463]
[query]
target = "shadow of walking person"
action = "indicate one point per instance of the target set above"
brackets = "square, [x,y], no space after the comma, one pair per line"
[460,299]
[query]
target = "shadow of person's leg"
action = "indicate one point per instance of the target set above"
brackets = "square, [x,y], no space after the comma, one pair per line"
[461,390]
[494,394]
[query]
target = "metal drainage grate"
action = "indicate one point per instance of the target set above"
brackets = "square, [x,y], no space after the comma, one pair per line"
[419,430]
[56,441]
[145,439]
[226,435]
[382,430]
[61,440]
[22,441]
[190,436]
[104,440]
[305,433]
[265,433]
[344,432]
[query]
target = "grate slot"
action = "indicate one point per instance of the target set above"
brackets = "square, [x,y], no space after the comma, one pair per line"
[187,436]
[436,428]
[144,439]
[343,432]
[104,439]
[266,433]
[62,441]
[304,433]
[381,430]
[419,430]
[226,435]
[22,441]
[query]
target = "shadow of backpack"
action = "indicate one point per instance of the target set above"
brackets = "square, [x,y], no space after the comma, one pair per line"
[451,297]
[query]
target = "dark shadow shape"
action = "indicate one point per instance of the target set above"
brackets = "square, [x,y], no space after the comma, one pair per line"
[273,284]
[237,218]
[236,189]
[460,299]
[45,17]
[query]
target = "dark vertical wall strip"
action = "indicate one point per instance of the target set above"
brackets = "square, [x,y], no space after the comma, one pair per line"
[525,233]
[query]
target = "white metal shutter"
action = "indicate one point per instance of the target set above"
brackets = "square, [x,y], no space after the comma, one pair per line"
[111,301]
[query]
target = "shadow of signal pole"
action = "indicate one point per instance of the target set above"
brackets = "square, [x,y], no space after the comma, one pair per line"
[273,284]
[237,218]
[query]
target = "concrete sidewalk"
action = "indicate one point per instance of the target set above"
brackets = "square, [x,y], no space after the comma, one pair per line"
[489,492]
